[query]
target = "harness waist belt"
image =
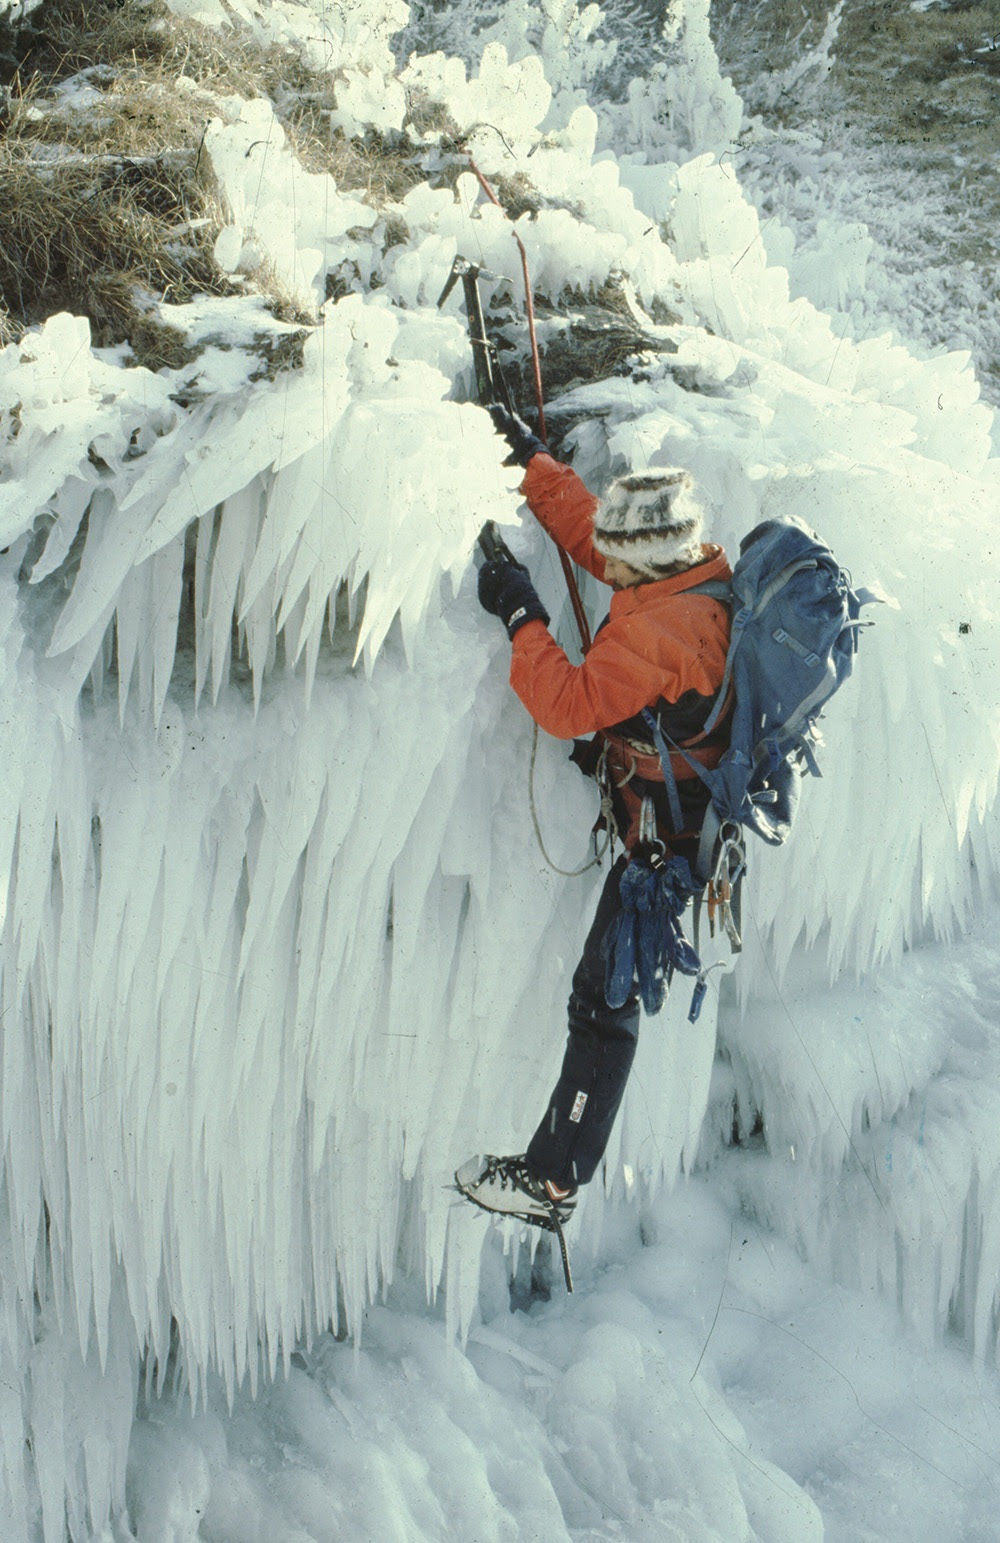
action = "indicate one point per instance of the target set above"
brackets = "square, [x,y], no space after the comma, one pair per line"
[632,758]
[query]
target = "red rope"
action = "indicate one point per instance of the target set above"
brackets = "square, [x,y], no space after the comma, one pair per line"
[583,625]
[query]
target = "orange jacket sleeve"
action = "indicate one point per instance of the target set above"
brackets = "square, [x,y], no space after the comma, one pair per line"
[569,700]
[647,650]
[560,501]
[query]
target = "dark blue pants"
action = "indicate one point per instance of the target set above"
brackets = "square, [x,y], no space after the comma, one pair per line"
[570,1141]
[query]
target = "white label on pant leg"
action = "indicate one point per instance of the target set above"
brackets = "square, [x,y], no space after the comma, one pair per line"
[576,1113]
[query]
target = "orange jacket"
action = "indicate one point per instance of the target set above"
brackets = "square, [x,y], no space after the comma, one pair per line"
[656,642]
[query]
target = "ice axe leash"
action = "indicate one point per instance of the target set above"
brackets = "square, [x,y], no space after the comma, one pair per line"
[491,386]
[529,310]
[583,626]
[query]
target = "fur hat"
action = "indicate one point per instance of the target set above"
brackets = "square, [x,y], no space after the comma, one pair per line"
[650,520]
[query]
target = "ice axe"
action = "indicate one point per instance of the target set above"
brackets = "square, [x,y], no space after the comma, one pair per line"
[490,383]
[491,386]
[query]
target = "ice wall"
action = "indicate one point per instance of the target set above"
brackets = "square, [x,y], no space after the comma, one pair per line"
[278,945]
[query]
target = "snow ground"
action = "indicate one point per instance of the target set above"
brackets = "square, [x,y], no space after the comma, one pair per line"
[703,1384]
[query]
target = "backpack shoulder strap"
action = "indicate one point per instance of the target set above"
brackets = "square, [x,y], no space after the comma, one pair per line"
[716,589]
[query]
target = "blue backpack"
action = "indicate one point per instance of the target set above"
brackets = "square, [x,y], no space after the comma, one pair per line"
[794,636]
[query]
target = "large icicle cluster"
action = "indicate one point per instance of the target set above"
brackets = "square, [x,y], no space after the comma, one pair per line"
[881,1100]
[278,946]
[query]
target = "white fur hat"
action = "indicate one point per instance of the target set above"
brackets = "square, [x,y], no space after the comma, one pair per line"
[650,520]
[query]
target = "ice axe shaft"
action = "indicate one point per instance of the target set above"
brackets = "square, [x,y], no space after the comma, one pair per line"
[490,383]
[529,307]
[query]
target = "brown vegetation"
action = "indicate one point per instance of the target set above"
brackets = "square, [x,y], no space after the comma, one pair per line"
[108,207]
[104,233]
[105,206]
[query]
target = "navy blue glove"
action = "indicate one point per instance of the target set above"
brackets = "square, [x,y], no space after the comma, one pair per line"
[506,590]
[645,942]
[523,443]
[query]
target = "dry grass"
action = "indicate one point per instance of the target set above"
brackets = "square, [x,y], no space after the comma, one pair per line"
[923,83]
[103,230]
[381,170]
[596,345]
[106,203]
[910,75]
[518,195]
[937,79]
[65,37]
[583,337]
[919,88]
[105,207]
[9,330]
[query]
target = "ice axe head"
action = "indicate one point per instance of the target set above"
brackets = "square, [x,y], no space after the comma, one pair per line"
[461,268]
[490,384]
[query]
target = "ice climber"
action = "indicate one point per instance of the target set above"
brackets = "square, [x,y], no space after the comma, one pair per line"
[660,648]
